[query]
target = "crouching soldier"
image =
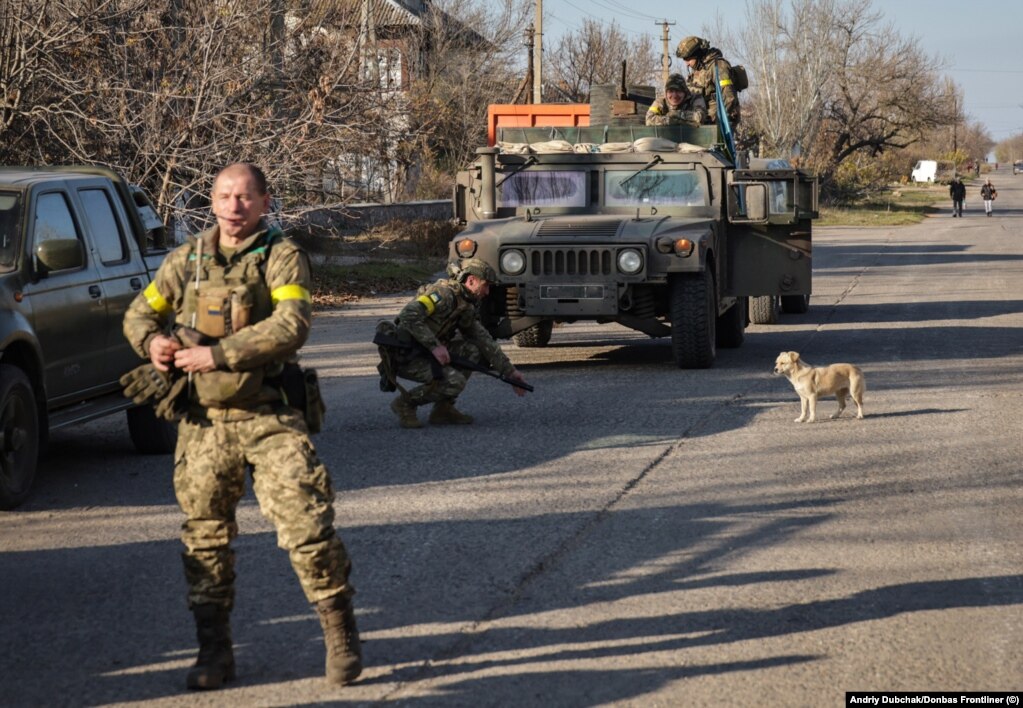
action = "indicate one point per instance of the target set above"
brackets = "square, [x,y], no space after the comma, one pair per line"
[441,323]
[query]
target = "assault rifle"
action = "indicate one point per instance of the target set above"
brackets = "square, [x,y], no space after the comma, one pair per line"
[391,342]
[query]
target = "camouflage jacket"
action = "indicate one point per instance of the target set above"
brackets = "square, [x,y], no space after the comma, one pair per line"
[275,269]
[443,309]
[701,82]
[693,111]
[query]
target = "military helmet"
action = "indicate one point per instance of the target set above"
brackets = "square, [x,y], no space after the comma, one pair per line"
[479,268]
[676,81]
[689,47]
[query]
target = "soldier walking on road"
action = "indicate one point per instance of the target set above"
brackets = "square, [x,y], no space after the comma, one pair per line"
[957,190]
[245,288]
[441,322]
[988,193]
[703,60]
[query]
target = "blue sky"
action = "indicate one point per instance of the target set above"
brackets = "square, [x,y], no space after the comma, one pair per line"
[980,42]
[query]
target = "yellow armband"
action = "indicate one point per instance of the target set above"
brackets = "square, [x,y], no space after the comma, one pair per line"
[289,292]
[156,301]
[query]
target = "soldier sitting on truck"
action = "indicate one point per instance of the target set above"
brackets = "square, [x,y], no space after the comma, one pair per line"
[679,106]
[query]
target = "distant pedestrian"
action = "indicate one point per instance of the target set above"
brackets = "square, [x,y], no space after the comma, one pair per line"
[988,193]
[957,190]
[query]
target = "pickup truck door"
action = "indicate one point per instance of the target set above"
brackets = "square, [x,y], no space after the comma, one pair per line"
[69,310]
[122,271]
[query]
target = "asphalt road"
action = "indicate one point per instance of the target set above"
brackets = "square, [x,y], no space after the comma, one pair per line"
[630,534]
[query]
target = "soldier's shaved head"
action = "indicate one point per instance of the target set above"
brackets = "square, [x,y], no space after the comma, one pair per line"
[236,168]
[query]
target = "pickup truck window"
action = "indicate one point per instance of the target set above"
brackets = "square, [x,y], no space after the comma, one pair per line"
[104,225]
[657,187]
[9,241]
[546,188]
[53,218]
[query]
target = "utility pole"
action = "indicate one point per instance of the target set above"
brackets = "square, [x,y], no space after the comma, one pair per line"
[538,54]
[526,88]
[955,137]
[665,57]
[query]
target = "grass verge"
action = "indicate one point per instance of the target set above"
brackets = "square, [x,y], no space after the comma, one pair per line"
[896,207]
[335,284]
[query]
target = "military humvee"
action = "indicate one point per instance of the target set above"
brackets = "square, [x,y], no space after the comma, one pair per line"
[650,227]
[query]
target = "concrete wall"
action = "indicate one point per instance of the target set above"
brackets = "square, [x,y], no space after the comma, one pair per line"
[362,217]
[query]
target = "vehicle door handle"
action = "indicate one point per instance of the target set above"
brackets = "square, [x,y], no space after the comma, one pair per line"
[135,284]
[95,292]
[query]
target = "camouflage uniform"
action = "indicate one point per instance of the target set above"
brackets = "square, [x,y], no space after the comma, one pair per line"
[692,111]
[445,313]
[701,80]
[237,418]
[701,83]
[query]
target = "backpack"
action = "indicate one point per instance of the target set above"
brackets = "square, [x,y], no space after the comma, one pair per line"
[740,81]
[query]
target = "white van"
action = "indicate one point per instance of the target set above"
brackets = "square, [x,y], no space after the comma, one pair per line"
[925,171]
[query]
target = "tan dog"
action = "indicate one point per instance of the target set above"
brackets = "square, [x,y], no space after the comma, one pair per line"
[839,379]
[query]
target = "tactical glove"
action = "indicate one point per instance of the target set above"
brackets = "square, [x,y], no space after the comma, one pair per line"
[174,404]
[145,384]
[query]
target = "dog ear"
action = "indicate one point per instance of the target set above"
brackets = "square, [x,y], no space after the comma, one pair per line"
[793,357]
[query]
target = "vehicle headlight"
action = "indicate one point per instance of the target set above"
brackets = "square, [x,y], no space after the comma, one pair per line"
[630,261]
[513,262]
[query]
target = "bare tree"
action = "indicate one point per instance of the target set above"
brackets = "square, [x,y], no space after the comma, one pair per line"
[790,57]
[593,56]
[465,56]
[170,91]
[829,81]
[887,91]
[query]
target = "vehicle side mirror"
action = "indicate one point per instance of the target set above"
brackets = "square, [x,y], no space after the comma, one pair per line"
[747,203]
[60,254]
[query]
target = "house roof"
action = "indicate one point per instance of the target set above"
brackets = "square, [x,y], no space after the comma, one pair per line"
[391,17]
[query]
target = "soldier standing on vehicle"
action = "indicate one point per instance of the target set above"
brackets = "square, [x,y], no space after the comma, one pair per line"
[679,106]
[988,193]
[957,190]
[245,288]
[702,60]
[441,322]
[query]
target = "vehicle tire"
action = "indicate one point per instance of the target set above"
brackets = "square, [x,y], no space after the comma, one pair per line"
[795,304]
[731,326]
[539,335]
[763,310]
[149,434]
[19,436]
[693,319]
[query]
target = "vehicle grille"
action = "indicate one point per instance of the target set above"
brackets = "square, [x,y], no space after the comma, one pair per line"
[571,261]
[591,229]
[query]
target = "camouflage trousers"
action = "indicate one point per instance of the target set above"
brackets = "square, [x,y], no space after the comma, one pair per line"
[293,489]
[449,386]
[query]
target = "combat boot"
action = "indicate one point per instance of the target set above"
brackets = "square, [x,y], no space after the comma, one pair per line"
[406,413]
[215,664]
[445,413]
[341,637]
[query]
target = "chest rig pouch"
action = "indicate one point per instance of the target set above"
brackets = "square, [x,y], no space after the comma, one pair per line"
[220,300]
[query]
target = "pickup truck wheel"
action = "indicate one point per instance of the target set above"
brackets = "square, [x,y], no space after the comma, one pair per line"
[693,319]
[149,434]
[795,304]
[19,436]
[763,310]
[539,335]
[731,326]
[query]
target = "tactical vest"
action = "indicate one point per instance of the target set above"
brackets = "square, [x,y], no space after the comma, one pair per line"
[220,300]
[443,329]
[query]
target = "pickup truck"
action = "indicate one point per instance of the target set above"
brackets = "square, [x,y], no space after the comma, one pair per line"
[77,244]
